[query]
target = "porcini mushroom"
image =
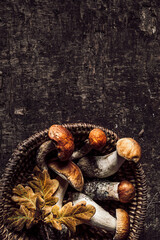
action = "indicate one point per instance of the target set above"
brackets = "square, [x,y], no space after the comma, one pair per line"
[123,191]
[107,165]
[69,171]
[103,219]
[96,140]
[61,142]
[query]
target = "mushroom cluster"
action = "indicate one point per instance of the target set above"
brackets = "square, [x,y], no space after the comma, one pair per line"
[58,155]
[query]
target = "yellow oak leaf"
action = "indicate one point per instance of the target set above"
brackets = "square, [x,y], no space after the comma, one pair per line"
[21,217]
[35,200]
[42,184]
[25,195]
[71,216]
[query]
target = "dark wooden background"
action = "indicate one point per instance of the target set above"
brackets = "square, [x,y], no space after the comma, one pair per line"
[83,61]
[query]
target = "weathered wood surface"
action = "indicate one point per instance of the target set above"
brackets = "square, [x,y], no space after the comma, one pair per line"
[83,61]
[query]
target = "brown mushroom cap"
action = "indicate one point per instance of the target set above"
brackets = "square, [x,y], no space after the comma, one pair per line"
[123,224]
[126,191]
[70,172]
[129,149]
[64,141]
[97,138]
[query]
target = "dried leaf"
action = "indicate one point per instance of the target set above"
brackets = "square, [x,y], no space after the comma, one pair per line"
[42,184]
[25,196]
[39,212]
[21,217]
[70,215]
[53,218]
[34,206]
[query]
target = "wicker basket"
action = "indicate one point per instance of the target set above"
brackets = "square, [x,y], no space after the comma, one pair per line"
[22,163]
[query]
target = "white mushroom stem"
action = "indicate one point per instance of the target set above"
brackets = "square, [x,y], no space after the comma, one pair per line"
[122,191]
[107,165]
[119,226]
[101,219]
[60,193]
[101,191]
[100,166]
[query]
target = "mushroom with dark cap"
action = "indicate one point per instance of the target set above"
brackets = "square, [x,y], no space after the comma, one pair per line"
[61,141]
[123,191]
[96,140]
[107,165]
[68,173]
[103,219]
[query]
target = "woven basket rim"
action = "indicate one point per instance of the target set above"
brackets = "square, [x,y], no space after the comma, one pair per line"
[139,173]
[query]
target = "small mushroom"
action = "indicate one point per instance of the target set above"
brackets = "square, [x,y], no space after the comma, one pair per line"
[61,142]
[107,165]
[123,191]
[96,140]
[103,219]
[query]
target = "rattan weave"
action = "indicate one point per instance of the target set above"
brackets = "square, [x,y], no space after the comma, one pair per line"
[22,162]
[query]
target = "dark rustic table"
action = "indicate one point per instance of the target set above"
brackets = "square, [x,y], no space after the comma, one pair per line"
[83,61]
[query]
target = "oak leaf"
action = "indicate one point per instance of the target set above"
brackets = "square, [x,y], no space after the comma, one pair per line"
[20,217]
[69,215]
[26,196]
[42,184]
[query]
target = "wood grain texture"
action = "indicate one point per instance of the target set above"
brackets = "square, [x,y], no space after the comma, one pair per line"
[83,61]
